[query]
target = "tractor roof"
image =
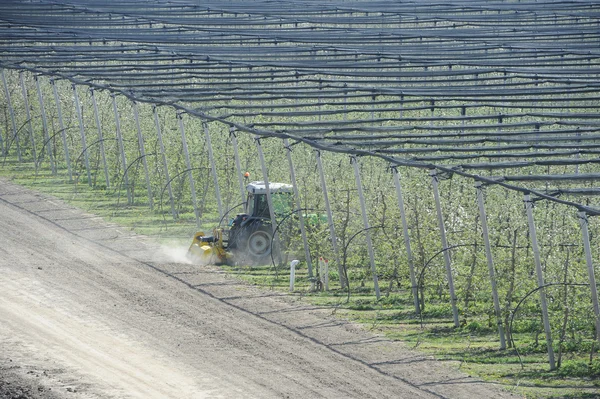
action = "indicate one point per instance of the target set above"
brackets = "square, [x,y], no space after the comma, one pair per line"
[258,187]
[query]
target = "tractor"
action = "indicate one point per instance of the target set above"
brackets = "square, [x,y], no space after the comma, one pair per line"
[249,236]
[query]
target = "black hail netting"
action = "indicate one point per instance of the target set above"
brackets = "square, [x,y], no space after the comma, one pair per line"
[493,90]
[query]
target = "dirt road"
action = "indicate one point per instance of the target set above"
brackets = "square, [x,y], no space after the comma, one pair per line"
[90,311]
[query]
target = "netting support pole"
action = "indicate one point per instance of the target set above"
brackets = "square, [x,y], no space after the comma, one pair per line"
[61,126]
[188,165]
[11,111]
[164,160]
[583,221]
[446,253]
[540,278]
[136,117]
[3,150]
[490,262]
[238,166]
[213,168]
[334,242]
[363,208]
[45,126]
[263,167]
[82,132]
[409,255]
[286,145]
[100,137]
[28,113]
[121,148]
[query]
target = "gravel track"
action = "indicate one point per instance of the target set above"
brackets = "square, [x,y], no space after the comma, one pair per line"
[91,311]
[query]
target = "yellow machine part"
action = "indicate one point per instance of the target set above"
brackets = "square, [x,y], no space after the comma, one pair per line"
[208,249]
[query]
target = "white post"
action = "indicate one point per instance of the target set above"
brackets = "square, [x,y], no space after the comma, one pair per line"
[100,137]
[142,149]
[490,262]
[293,265]
[438,207]
[409,255]
[61,126]
[263,166]
[583,221]
[164,159]
[286,144]
[238,165]
[121,148]
[363,208]
[343,282]
[12,118]
[45,125]
[189,168]
[82,133]
[540,278]
[213,168]
[28,113]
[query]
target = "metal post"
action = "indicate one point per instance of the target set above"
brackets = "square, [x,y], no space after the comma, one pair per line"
[136,117]
[409,255]
[238,166]
[286,144]
[213,169]
[438,207]
[164,159]
[540,278]
[490,262]
[12,118]
[341,273]
[28,113]
[583,221]
[100,137]
[3,150]
[263,167]
[61,126]
[121,149]
[363,209]
[189,168]
[45,126]
[82,132]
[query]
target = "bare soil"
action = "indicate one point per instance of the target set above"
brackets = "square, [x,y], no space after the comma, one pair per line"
[88,310]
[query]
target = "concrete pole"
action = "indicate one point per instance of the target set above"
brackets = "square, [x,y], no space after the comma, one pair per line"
[28,113]
[121,148]
[438,207]
[61,126]
[100,137]
[82,132]
[188,165]
[286,145]
[213,169]
[142,149]
[365,218]
[12,118]
[238,166]
[490,262]
[263,167]
[540,278]
[583,221]
[164,160]
[336,253]
[411,265]
[45,126]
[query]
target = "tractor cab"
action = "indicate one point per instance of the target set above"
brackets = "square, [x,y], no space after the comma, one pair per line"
[257,204]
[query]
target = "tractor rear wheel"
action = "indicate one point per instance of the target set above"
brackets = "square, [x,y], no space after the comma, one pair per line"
[259,243]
